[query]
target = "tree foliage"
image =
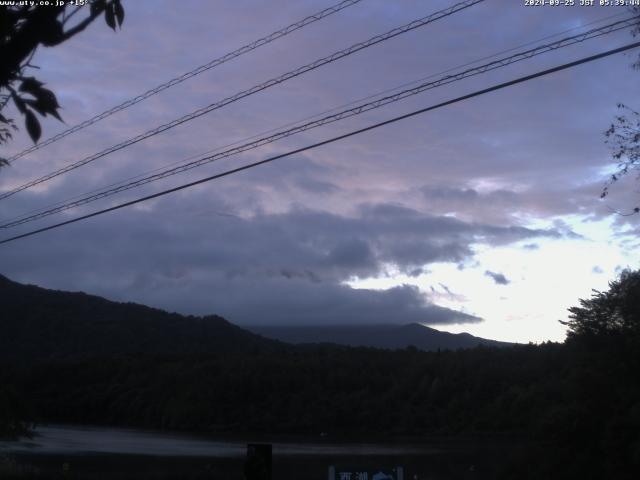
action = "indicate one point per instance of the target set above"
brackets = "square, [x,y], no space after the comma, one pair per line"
[623,136]
[614,312]
[25,27]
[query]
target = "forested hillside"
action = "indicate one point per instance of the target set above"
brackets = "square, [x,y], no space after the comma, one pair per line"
[37,323]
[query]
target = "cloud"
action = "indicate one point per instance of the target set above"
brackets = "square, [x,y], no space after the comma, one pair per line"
[508,206]
[499,278]
[282,302]
[278,267]
[445,293]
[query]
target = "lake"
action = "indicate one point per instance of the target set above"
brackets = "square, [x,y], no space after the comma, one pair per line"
[92,453]
[75,440]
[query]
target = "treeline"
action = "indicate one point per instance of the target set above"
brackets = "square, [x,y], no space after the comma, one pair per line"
[578,404]
[336,389]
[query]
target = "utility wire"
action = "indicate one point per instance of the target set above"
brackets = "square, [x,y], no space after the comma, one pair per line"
[357,110]
[316,115]
[255,89]
[477,93]
[275,129]
[192,73]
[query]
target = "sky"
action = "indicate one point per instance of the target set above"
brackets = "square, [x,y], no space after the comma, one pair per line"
[482,217]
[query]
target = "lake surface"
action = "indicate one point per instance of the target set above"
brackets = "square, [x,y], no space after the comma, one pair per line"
[94,453]
[75,440]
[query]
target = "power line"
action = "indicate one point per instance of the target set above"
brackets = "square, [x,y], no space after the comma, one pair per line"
[192,73]
[102,193]
[357,110]
[310,117]
[276,129]
[333,139]
[255,89]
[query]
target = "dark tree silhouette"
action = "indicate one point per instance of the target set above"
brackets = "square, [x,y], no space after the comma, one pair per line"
[623,136]
[616,311]
[23,29]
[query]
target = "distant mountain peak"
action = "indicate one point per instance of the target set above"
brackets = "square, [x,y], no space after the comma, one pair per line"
[389,336]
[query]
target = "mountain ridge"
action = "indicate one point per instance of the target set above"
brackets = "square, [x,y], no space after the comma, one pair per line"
[386,336]
[42,324]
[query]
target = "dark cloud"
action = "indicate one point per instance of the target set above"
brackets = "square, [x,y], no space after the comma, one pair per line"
[505,206]
[315,186]
[450,195]
[283,302]
[498,278]
[293,265]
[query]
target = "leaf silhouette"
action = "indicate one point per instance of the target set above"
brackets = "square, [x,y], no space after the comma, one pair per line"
[119,12]
[19,102]
[30,85]
[33,126]
[109,17]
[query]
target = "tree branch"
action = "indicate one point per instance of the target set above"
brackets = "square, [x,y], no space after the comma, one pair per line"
[82,25]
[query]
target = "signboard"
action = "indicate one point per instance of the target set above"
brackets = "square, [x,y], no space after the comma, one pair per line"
[354,473]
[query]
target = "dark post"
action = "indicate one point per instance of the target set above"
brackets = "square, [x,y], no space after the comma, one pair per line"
[258,464]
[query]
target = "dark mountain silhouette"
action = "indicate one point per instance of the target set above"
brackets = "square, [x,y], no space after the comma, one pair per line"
[37,323]
[378,336]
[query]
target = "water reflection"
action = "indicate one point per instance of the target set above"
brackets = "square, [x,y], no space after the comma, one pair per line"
[74,440]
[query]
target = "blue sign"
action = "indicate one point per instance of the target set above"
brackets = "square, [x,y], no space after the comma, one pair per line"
[341,473]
